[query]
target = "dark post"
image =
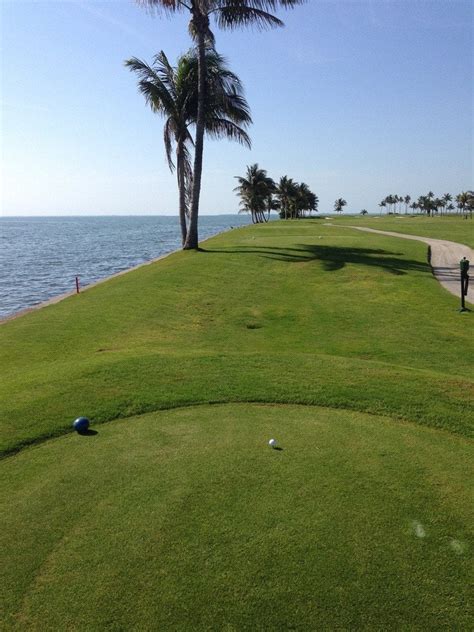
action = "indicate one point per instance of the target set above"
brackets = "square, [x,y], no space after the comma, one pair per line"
[464,266]
[77,285]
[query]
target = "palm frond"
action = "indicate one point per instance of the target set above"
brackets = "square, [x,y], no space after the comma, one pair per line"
[161,6]
[165,71]
[167,138]
[234,17]
[156,92]
[224,128]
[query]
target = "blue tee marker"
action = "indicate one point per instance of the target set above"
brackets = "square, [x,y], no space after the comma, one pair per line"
[81,424]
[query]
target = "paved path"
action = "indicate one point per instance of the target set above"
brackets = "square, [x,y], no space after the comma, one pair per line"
[445,258]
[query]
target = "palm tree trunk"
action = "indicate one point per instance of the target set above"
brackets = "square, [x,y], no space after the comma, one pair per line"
[182,191]
[192,236]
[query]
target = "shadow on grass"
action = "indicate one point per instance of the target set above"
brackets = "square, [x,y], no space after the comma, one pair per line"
[332,257]
[87,433]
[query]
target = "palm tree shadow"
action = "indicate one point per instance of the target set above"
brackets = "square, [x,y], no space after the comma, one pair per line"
[333,258]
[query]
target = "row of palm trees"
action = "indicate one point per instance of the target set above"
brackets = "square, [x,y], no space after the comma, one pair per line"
[430,204]
[259,195]
[228,14]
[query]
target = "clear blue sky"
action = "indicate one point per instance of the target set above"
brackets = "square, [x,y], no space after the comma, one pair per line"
[358,99]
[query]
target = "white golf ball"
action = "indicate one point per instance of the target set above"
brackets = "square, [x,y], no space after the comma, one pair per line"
[272,443]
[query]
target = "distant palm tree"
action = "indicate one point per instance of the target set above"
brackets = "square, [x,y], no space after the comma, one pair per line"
[382,204]
[465,202]
[427,203]
[399,200]
[407,200]
[172,92]
[339,205]
[364,211]
[470,202]
[228,14]
[255,190]
[306,200]
[391,201]
[438,204]
[286,192]
[447,197]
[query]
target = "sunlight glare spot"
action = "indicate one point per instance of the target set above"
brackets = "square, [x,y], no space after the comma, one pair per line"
[418,529]
[458,547]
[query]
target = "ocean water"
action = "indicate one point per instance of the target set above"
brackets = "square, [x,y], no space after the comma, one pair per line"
[41,256]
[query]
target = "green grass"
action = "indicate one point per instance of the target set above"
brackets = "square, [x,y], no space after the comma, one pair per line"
[186,519]
[450,227]
[176,515]
[296,313]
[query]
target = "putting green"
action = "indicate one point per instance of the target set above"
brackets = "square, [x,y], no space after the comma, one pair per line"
[186,519]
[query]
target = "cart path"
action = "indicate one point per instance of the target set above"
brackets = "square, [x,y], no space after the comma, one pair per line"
[445,258]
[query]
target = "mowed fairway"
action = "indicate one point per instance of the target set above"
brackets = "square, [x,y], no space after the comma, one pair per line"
[186,519]
[450,227]
[176,514]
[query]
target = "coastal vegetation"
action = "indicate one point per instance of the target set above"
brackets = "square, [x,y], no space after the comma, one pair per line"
[431,205]
[259,195]
[339,204]
[294,199]
[172,92]
[256,190]
[340,344]
[227,14]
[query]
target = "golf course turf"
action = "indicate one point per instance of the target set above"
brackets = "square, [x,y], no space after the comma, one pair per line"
[175,514]
[450,227]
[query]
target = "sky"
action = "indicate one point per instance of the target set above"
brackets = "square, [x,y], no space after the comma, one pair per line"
[357,99]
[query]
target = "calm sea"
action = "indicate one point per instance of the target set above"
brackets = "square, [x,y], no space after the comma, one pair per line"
[40,257]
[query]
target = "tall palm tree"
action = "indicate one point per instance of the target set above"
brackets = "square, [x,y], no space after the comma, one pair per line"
[228,14]
[339,205]
[172,92]
[255,190]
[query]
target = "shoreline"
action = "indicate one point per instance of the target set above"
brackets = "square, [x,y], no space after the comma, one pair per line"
[61,297]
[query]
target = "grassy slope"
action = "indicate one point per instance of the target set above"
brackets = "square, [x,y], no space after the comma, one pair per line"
[288,312]
[186,520]
[448,227]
